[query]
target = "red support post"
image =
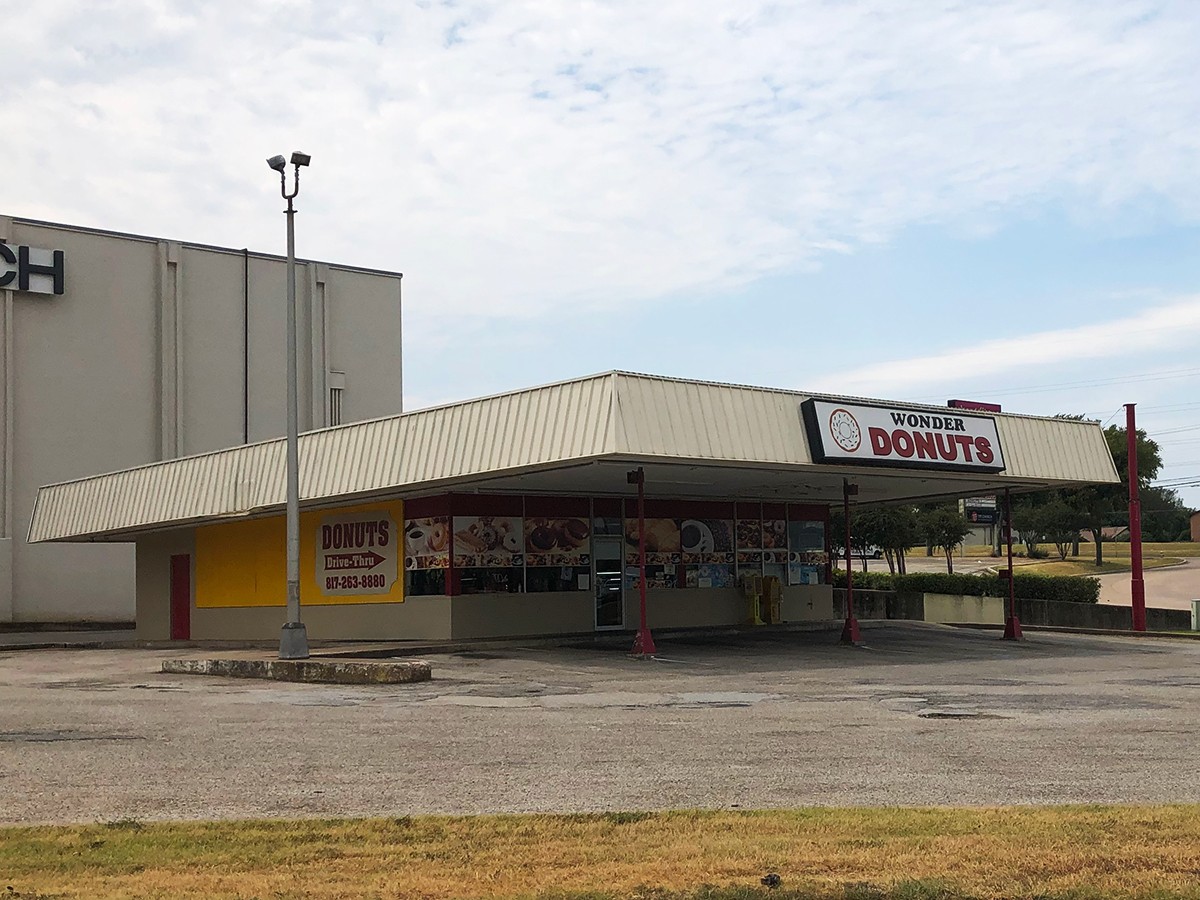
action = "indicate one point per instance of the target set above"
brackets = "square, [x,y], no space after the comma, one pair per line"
[850,632]
[1012,624]
[643,644]
[1135,524]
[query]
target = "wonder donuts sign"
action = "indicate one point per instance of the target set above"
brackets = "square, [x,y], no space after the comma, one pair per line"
[901,437]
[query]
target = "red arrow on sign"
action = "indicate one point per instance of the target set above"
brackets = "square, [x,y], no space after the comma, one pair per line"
[342,561]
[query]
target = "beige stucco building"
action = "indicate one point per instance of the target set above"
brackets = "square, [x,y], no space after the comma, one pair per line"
[120,350]
[515,515]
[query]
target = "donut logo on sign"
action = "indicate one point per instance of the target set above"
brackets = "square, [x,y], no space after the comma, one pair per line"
[844,428]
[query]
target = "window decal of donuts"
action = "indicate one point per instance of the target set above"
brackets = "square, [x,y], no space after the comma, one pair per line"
[557,542]
[488,542]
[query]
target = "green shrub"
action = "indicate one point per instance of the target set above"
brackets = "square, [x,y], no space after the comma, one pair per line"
[1069,588]
[865,581]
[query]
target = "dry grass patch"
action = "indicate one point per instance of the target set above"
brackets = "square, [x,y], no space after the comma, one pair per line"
[1080,565]
[1116,550]
[889,853]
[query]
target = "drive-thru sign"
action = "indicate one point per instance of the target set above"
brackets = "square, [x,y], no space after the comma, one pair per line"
[357,553]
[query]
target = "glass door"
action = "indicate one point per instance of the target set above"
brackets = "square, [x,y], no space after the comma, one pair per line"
[608,552]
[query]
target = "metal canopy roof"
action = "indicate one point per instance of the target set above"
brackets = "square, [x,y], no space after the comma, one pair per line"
[695,439]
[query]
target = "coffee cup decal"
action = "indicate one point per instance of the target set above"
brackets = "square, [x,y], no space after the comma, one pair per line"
[427,542]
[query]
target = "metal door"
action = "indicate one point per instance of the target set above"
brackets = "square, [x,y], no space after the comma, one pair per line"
[181,597]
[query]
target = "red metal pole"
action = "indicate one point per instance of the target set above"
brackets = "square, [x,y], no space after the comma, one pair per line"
[1135,524]
[1012,624]
[643,644]
[850,633]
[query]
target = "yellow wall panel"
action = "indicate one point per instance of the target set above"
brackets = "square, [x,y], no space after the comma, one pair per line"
[241,563]
[244,562]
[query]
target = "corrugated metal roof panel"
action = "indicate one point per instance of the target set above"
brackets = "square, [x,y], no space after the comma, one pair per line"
[617,414]
[698,420]
[1060,449]
[511,431]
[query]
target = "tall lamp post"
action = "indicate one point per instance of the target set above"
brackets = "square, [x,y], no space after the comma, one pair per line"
[293,639]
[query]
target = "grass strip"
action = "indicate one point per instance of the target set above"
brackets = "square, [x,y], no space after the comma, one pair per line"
[1081,566]
[919,854]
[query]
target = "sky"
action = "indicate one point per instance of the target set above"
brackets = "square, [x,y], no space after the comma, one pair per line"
[991,199]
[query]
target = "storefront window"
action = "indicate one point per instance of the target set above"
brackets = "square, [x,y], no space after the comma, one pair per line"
[761,541]
[806,558]
[695,547]
[656,577]
[708,576]
[808,535]
[426,555]
[424,582]
[552,579]
[490,580]
[558,544]
[607,525]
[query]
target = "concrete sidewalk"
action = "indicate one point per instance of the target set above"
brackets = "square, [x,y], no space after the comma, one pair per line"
[32,640]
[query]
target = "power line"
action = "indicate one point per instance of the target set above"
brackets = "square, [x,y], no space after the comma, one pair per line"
[1185,481]
[1177,430]
[1176,407]
[1160,375]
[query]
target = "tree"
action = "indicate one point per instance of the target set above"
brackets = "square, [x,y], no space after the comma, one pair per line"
[837,535]
[1060,523]
[1027,521]
[944,527]
[1164,516]
[1099,505]
[893,529]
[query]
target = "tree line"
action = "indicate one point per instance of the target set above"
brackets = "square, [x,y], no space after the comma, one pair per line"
[1057,516]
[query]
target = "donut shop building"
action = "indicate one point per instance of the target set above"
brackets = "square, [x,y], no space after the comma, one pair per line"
[514,514]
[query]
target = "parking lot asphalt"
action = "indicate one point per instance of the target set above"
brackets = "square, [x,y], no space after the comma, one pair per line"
[921,714]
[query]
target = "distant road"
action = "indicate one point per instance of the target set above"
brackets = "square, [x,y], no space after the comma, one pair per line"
[1173,587]
[935,563]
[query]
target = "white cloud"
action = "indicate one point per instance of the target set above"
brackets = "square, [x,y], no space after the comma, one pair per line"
[1162,328]
[521,157]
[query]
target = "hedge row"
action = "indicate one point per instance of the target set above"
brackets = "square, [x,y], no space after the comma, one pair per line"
[1071,588]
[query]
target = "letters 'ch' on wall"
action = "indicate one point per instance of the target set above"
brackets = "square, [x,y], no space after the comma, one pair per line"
[32,270]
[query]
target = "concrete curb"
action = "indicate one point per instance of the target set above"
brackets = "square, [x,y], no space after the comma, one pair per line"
[576,641]
[81,626]
[1098,632]
[332,649]
[310,671]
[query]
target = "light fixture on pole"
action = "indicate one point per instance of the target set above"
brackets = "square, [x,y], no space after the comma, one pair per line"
[293,639]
